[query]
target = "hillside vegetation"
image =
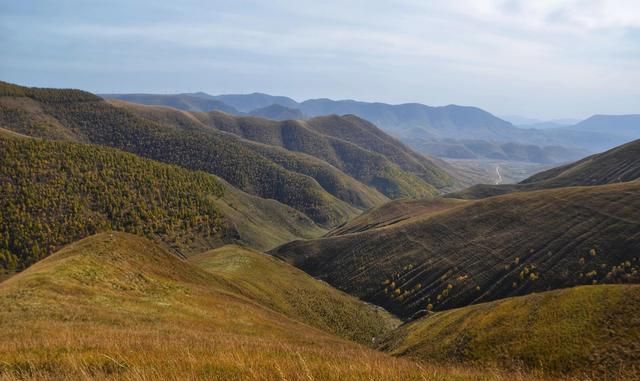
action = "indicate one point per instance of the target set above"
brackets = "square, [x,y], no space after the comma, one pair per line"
[286,289]
[484,250]
[87,118]
[116,306]
[591,332]
[617,165]
[54,193]
[367,166]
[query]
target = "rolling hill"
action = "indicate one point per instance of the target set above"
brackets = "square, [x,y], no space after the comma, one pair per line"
[458,132]
[321,189]
[286,289]
[591,332]
[389,172]
[482,250]
[83,117]
[619,164]
[116,306]
[54,193]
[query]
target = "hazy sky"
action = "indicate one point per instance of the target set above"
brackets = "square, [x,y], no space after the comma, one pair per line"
[545,59]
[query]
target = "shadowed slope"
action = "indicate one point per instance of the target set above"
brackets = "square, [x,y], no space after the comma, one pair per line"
[486,249]
[394,212]
[590,331]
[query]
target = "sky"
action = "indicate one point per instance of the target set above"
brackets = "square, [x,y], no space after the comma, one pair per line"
[541,59]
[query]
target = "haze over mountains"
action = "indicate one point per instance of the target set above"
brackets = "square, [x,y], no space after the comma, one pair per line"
[277,239]
[456,132]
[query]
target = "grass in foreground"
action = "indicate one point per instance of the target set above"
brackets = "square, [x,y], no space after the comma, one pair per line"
[115,306]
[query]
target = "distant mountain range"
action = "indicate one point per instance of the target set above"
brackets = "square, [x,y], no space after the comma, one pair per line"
[458,132]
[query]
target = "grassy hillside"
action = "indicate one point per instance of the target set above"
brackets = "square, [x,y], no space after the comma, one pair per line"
[590,331]
[617,165]
[115,306]
[84,117]
[284,288]
[54,193]
[485,249]
[367,166]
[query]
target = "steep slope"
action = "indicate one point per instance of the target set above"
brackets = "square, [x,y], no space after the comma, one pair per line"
[277,112]
[116,306]
[485,249]
[54,193]
[87,118]
[283,288]
[619,164]
[369,167]
[589,331]
[186,102]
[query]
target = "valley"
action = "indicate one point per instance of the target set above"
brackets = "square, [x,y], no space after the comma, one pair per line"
[246,237]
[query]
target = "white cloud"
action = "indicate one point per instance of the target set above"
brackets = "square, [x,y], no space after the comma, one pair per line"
[491,53]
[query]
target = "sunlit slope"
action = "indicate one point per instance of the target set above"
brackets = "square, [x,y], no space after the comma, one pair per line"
[485,249]
[284,288]
[591,331]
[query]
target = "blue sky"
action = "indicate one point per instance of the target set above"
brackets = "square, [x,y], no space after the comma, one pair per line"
[544,59]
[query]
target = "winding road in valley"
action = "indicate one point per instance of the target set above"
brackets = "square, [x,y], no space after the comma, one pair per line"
[499,180]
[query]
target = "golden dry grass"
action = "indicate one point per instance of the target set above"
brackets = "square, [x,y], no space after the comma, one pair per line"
[116,307]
